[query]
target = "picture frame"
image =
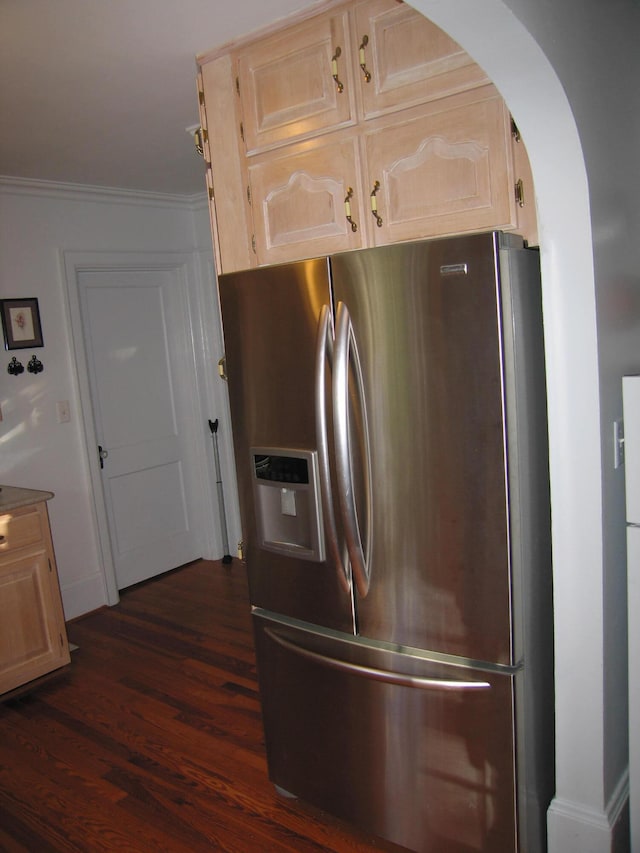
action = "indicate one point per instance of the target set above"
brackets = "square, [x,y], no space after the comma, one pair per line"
[21,323]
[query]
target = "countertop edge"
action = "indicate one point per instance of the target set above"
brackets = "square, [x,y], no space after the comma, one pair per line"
[13,497]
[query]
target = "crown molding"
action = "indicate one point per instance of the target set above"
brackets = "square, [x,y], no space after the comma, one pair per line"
[82,192]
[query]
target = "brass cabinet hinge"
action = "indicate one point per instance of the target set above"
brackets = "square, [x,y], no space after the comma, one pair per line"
[211,194]
[240,550]
[248,193]
[201,97]
[253,244]
[519,193]
[515,131]
[222,368]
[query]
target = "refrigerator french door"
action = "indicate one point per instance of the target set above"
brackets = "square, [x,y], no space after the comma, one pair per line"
[388,410]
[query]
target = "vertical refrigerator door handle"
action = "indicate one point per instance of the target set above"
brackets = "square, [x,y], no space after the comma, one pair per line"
[346,354]
[324,353]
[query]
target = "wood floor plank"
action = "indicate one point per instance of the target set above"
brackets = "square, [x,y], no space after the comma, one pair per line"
[152,739]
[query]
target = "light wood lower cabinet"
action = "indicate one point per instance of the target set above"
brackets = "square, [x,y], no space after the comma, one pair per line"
[33,639]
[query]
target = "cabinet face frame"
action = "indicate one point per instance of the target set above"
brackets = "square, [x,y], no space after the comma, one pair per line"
[227,181]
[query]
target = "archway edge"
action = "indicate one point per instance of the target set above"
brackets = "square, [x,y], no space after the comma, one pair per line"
[499,41]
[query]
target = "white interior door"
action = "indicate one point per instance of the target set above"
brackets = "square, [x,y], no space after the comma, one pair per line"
[135,329]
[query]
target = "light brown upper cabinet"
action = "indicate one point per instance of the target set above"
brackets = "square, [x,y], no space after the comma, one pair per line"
[296,83]
[360,125]
[406,60]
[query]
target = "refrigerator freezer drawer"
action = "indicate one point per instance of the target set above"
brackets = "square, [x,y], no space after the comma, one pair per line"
[419,753]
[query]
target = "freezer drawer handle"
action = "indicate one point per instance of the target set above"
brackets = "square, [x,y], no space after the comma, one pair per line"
[324,353]
[346,353]
[378,674]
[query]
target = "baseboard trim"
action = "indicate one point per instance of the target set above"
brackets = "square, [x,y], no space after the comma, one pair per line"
[575,828]
[83,596]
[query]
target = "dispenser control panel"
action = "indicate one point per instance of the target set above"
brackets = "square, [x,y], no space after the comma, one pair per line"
[288,506]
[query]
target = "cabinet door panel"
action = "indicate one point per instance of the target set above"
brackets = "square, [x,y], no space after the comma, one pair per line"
[410,59]
[32,632]
[286,83]
[299,200]
[442,171]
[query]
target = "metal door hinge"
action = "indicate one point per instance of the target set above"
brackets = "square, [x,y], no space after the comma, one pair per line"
[519,193]
[211,195]
[253,244]
[248,193]
[222,368]
[240,550]
[201,97]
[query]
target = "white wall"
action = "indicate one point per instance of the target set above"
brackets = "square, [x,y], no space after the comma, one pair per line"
[37,223]
[569,72]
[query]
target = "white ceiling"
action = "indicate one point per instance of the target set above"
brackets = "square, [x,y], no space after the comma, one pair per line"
[100,92]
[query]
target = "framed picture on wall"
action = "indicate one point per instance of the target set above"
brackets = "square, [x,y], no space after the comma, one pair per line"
[21,323]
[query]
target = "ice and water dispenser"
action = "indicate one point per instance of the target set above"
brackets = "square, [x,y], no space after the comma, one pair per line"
[288,508]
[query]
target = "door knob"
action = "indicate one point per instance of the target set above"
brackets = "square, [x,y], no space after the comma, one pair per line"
[102,455]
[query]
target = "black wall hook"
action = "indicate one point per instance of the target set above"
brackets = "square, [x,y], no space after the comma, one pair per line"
[35,365]
[15,367]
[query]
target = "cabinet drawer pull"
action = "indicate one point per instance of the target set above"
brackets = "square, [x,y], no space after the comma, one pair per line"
[347,210]
[363,59]
[334,69]
[374,204]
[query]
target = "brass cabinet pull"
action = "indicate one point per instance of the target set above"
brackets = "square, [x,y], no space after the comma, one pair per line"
[334,69]
[347,210]
[363,59]
[374,204]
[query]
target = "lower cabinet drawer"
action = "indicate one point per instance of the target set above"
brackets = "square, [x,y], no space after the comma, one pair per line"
[21,527]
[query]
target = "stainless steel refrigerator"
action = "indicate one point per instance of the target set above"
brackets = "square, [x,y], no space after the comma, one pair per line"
[390,434]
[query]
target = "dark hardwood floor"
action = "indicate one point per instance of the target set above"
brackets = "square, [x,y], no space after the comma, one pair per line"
[152,739]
